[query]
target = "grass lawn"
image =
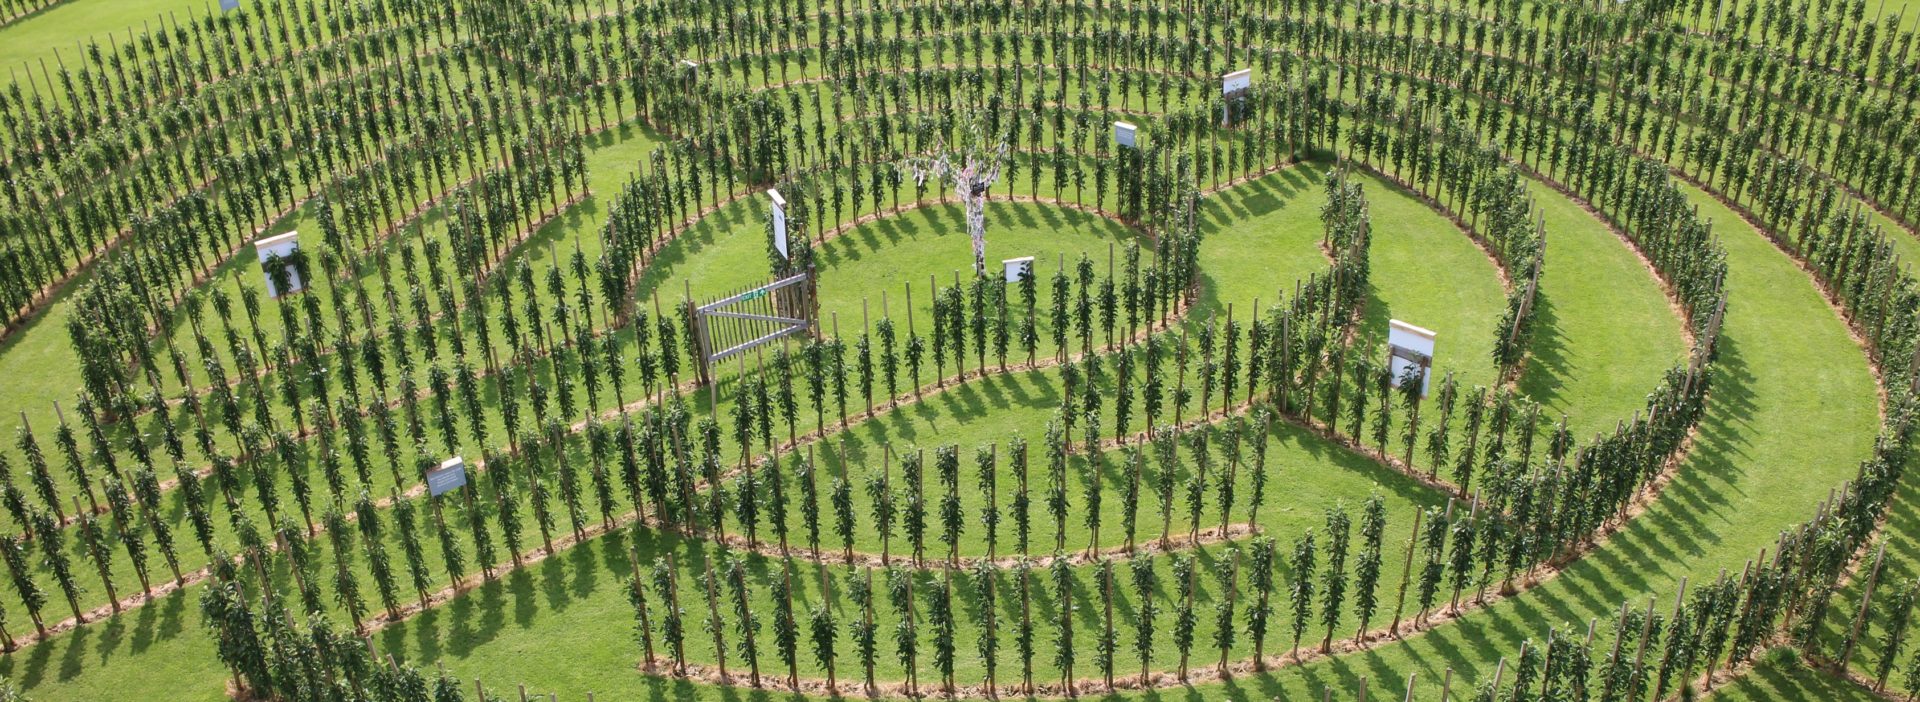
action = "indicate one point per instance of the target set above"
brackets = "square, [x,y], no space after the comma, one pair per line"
[67,26]
[1765,456]
[1791,414]
[1781,674]
[1003,405]
[40,355]
[1760,464]
[1606,333]
[1264,235]
[561,612]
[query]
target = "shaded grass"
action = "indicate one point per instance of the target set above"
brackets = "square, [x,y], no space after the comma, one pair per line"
[1292,509]
[1765,455]
[1605,332]
[1781,674]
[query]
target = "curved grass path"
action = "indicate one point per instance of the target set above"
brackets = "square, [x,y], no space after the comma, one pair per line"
[59,28]
[561,629]
[1751,474]
[144,637]
[493,645]
[931,243]
[1792,412]
[573,594]
[38,357]
[1606,333]
[1425,270]
[1765,456]
[1261,236]
[553,580]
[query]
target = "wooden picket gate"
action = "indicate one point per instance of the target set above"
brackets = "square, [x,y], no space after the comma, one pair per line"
[748,319]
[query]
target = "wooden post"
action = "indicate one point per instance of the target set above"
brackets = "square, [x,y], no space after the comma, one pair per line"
[1606,689]
[713,610]
[1640,654]
[1406,575]
[701,372]
[673,596]
[1746,608]
[1866,600]
[910,334]
[640,601]
[866,332]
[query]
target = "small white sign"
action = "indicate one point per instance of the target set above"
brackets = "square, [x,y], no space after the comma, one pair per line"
[1017,267]
[1236,81]
[284,247]
[1124,134]
[1233,85]
[229,5]
[1410,346]
[450,476]
[779,222]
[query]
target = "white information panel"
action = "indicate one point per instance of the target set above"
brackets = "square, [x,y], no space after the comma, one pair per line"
[1410,346]
[450,476]
[1017,267]
[779,222]
[229,5]
[1124,134]
[1236,81]
[283,246]
[1233,85]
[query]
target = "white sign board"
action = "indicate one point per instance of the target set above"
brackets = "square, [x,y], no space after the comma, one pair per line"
[1124,134]
[1017,267]
[450,476]
[1236,81]
[1233,85]
[229,5]
[779,222]
[283,246]
[1410,346]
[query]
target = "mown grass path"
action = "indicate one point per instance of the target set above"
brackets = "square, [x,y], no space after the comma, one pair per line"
[1793,411]
[560,612]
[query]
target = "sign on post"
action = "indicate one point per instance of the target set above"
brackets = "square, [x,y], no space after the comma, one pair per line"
[280,250]
[1233,90]
[779,222]
[1017,267]
[1410,347]
[1124,134]
[450,476]
[1235,82]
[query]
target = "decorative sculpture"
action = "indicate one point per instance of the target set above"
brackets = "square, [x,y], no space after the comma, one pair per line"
[973,171]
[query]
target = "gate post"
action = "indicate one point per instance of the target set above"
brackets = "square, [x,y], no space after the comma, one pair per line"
[697,327]
[813,302]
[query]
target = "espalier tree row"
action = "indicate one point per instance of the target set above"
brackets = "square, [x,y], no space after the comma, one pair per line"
[440,153]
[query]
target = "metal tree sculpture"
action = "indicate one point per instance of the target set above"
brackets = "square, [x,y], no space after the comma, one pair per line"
[972,172]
